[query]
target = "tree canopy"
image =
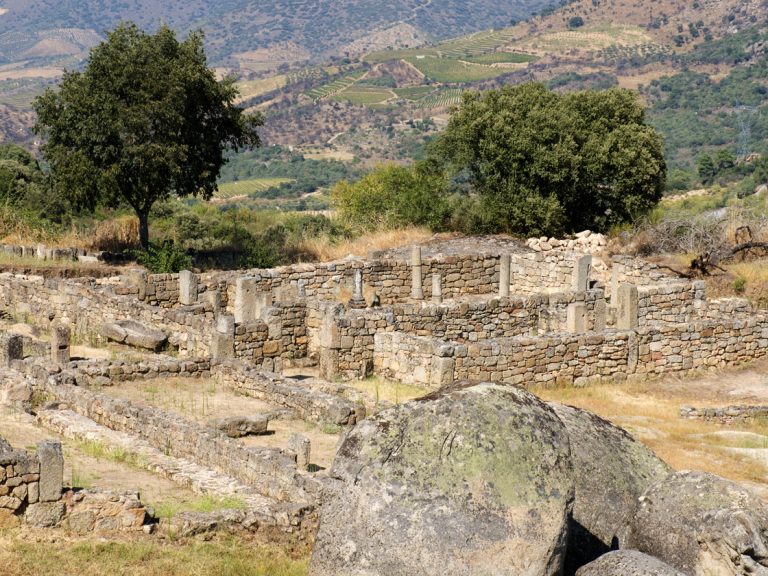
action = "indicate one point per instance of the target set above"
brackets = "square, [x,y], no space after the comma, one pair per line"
[145,119]
[544,163]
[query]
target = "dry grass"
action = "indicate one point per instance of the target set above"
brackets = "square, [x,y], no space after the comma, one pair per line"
[650,411]
[325,250]
[383,390]
[25,552]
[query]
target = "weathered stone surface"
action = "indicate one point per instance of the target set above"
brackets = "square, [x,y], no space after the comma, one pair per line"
[239,426]
[702,524]
[51,470]
[302,447]
[44,514]
[627,563]
[134,333]
[475,479]
[611,470]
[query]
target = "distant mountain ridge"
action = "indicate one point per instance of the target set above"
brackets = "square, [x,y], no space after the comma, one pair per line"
[319,28]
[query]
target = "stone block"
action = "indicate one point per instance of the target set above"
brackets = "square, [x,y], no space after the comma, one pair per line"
[213,298]
[581,270]
[44,514]
[504,275]
[11,348]
[575,318]
[188,283]
[627,307]
[601,315]
[300,445]
[60,337]
[246,289]
[437,288]
[225,325]
[51,470]
[239,426]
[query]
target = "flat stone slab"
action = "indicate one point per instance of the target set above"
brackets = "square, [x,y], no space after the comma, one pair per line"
[239,426]
[134,333]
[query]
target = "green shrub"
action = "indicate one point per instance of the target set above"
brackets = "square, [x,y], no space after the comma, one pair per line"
[165,258]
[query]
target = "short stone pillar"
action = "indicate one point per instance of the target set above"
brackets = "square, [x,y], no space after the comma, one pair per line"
[246,289]
[504,275]
[138,279]
[617,273]
[11,348]
[575,318]
[213,299]
[357,300]
[60,337]
[40,251]
[417,290]
[51,470]
[437,288]
[301,288]
[601,314]
[581,271]
[302,447]
[626,307]
[188,282]
[223,342]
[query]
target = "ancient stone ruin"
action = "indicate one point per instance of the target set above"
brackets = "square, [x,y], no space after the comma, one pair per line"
[294,340]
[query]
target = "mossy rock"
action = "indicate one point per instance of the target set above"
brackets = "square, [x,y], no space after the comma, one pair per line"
[472,480]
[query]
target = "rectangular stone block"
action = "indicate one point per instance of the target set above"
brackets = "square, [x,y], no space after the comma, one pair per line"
[213,297]
[11,348]
[51,470]
[60,337]
[617,273]
[601,314]
[302,447]
[581,271]
[626,307]
[188,283]
[504,275]
[246,289]
[575,318]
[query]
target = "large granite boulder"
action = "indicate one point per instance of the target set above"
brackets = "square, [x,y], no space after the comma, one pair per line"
[703,524]
[134,333]
[627,563]
[469,480]
[611,470]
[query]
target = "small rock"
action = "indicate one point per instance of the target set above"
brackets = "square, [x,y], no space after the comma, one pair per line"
[239,426]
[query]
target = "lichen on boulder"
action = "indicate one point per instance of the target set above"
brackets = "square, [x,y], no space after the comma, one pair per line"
[473,479]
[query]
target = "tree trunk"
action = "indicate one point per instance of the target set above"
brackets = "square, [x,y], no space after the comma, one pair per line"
[143,228]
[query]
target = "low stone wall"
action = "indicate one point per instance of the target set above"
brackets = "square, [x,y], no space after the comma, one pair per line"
[105,373]
[102,511]
[726,415]
[86,306]
[272,472]
[305,398]
[19,479]
[574,358]
[536,272]
[670,302]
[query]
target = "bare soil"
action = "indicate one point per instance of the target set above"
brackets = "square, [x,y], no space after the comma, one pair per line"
[203,400]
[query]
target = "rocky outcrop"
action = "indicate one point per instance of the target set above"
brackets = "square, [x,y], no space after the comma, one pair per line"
[627,563]
[611,470]
[473,479]
[134,333]
[703,524]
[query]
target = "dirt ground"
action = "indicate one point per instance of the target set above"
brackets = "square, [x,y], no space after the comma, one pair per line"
[203,400]
[84,470]
[650,412]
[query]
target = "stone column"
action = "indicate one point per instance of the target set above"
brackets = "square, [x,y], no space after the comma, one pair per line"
[437,288]
[581,273]
[302,447]
[188,282]
[40,251]
[575,315]
[213,297]
[617,272]
[245,299]
[60,336]
[626,304]
[223,343]
[357,300]
[417,291]
[504,277]
[601,313]
[11,348]
[51,470]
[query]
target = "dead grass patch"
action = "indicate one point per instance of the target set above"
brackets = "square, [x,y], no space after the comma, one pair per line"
[325,250]
[650,412]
